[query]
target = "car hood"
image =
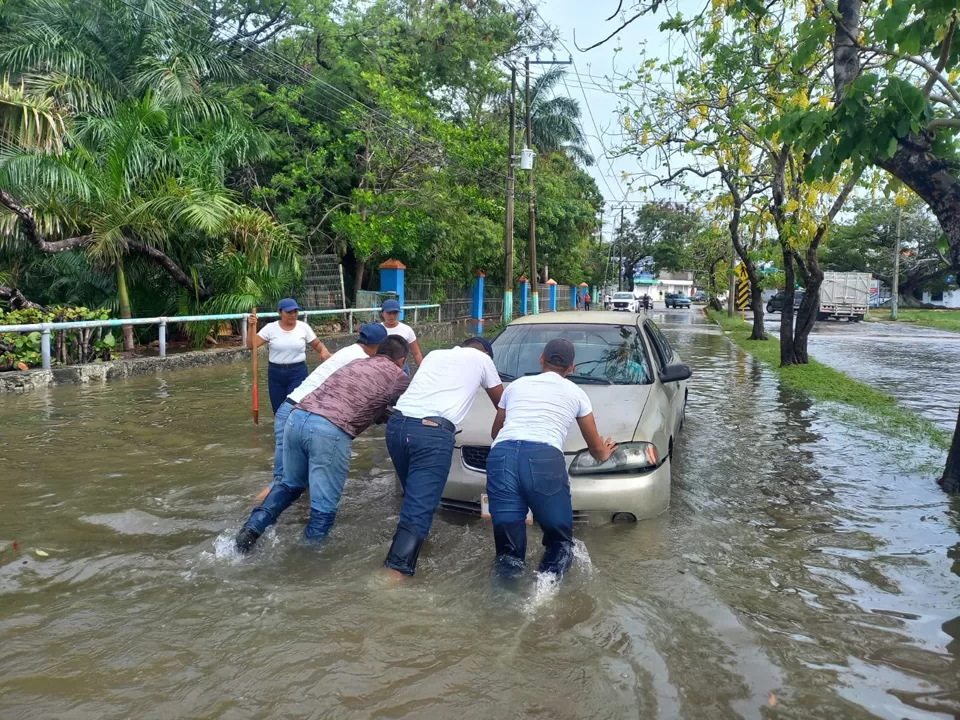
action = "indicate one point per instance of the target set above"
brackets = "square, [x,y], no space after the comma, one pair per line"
[617,409]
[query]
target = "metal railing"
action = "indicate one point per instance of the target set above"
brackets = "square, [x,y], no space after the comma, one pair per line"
[46,328]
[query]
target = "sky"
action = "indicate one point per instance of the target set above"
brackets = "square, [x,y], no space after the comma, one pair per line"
[586,82]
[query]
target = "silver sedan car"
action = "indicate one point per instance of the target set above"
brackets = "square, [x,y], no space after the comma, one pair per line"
[638,390]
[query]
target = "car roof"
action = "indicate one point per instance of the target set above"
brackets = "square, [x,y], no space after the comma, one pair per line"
[589,317]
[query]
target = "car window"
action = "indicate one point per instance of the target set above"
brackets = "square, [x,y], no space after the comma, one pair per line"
[657,351]
[660,343]
[623,296]
[614,353]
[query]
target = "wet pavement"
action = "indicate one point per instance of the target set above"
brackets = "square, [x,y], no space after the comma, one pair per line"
[918,366]
[806,569]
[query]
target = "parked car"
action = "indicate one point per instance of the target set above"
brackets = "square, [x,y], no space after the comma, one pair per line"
[625,302]
[638,390]
[676,301]
[699,296]
[775,304]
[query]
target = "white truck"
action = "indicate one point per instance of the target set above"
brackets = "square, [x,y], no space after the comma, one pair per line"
[844,295]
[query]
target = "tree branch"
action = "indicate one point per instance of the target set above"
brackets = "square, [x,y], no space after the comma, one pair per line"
[944,54]
[15,298]
[622,26]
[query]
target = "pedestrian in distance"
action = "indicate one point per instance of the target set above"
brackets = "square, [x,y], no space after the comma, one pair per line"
[586,300]
[526,468]
[288,339]
[391,321]
[370,337]
[607,301]
[420,435]
[318,438]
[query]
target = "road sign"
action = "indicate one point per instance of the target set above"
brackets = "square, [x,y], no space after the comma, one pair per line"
[743,287]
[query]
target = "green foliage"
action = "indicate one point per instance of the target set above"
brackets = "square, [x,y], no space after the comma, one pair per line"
[24,348]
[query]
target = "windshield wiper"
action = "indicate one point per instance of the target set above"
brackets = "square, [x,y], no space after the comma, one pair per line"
[589,380]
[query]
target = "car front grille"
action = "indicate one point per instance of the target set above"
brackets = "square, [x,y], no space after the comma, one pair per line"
[473,508]
[475,457]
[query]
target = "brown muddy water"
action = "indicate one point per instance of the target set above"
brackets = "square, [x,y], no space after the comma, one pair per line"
[806,569]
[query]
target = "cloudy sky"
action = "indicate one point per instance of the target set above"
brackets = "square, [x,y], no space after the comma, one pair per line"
[587,80]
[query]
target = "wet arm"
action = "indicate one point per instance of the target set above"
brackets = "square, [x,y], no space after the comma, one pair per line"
[321,350]
[498,423]
[601,449]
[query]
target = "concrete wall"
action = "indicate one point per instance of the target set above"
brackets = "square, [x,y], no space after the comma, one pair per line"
[951,299]
[100,372]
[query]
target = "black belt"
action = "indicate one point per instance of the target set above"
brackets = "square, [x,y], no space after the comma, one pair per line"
[289,401]
[432,421]
[288,365]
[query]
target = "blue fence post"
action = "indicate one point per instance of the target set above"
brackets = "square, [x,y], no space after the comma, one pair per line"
[573,297]
[391,280]
[476,323]
[524,295]
[552,284]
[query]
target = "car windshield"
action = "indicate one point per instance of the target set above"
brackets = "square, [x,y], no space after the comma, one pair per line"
[612,354]
[623,296]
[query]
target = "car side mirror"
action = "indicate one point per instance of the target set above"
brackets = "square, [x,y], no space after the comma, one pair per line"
[675,373]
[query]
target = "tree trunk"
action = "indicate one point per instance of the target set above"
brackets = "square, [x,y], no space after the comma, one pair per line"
[787,354]
[358,280]
[124,298]
[756,294]
[950,481]
[756,302]
[846,55]
[809,306]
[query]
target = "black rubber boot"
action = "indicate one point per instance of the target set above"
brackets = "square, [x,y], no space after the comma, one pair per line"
[246,539]
[510,540]
[404,552]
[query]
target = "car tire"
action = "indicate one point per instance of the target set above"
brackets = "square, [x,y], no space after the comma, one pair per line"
[683,412]
[769,309]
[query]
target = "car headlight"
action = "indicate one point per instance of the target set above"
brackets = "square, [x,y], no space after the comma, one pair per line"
[629,456]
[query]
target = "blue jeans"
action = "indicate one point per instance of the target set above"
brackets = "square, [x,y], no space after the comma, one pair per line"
[421,456]
[283,380]
[316,454]
[523,475]
[279,423]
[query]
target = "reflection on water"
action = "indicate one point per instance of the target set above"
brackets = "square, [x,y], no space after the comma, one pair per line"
[800,557]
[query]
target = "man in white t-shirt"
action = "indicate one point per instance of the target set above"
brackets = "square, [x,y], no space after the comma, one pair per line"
[420,436]
[526,467]
[391,321]
[369,339]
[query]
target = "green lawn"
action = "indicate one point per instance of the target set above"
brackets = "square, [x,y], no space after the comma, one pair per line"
[940,319]
[824,383]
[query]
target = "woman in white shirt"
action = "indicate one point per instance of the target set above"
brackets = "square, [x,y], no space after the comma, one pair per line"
[526,467]
[391,321]
[288,339]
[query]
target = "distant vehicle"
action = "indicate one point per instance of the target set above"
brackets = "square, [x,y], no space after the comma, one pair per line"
[844,295]
[673,300]
[699,296]
[775,304]
[625,302]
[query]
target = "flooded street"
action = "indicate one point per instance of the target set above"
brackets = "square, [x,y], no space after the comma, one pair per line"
[805,569]
[918,366]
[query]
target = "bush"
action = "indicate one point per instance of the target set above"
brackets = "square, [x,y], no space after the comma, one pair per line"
[66,346]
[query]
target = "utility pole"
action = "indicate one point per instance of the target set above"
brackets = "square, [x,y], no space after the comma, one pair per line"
[620,253]
[508,227]
[895,290]
[534,277]
[535,295]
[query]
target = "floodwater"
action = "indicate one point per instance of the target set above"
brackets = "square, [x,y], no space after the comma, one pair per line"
[806,569]
[918,366]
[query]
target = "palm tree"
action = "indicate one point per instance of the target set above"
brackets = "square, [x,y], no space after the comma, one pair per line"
[555,120]
[142,167]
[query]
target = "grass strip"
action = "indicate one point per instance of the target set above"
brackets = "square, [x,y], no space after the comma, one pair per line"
[821,382]
[948,320]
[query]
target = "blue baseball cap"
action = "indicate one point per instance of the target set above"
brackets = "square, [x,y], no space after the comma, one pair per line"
[391,306]
[372,334]
[288,305]
[484,343]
